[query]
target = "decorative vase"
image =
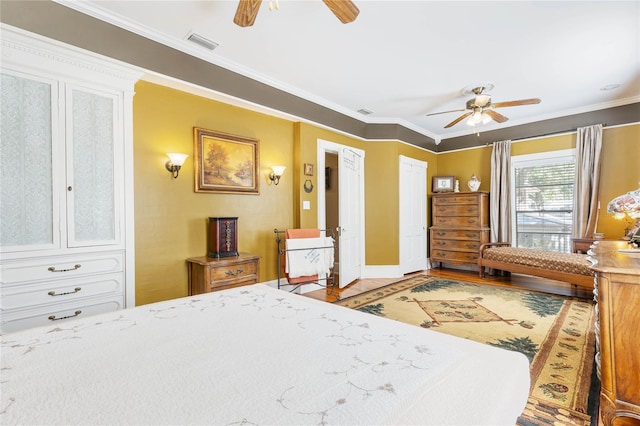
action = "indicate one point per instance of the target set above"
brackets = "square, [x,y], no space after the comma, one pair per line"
[457,186]
[473,183]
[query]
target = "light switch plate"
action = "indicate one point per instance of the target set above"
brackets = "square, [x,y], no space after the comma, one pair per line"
[306,205]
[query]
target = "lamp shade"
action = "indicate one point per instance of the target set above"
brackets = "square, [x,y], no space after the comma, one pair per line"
[627,204]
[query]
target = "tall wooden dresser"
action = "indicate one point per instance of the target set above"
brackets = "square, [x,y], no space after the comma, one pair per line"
[460,224]
[617,294]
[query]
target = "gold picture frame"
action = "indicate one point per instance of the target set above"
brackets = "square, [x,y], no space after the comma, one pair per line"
[225,163]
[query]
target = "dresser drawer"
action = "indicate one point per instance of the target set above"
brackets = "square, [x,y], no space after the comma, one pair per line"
[49,292]
[240,270]
[457,221]
[458,210]
[58,314]
[454,256]
[445,234]
[60,267]
[458,245]
[457,199]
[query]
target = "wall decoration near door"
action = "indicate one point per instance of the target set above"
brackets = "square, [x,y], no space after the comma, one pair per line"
[225,163]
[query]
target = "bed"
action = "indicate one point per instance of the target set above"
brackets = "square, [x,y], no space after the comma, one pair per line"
[573,268]
[254,355]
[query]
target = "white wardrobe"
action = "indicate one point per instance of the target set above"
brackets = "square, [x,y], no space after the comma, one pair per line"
[66,182]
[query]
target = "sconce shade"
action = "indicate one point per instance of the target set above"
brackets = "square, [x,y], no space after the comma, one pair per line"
[276,174]
[176,158]
[175,162]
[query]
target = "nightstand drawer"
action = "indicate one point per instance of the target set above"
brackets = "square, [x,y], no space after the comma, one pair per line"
[208,274]
[239,270]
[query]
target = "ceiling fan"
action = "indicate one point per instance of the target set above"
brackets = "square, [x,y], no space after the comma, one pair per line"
[345,10]
[480,109]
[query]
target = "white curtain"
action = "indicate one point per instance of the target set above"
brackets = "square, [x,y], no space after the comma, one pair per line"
[587,183]
[500,206]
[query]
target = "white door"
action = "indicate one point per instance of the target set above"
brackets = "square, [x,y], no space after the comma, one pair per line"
[350,233]
[350,170]
[413,215]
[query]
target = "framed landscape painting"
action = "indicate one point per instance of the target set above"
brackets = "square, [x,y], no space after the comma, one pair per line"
[225,163]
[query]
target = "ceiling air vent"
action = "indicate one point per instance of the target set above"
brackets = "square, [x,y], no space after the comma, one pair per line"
[201,41]
[365,111]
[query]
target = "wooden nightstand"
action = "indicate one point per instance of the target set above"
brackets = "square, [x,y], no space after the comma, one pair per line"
[207,274]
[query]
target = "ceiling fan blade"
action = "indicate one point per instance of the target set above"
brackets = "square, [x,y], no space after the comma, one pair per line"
[246,12]
[531,101]
[344,10]
[496,116]
[445,112]
[457,120]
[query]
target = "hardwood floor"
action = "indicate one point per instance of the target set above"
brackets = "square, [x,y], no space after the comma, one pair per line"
[332,294]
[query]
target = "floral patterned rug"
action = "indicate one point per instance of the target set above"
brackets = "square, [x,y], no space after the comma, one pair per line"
[556,333]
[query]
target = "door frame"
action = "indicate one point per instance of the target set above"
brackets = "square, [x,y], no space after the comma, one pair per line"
[324,147]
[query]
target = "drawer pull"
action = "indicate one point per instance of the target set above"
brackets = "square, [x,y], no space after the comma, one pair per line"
[53,269]
[75,290]
[238,271]
[53,317]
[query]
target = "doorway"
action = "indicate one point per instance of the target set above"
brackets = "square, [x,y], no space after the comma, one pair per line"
[345,195]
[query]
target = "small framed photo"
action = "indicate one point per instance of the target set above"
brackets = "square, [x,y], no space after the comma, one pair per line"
[308,169]
[443,183]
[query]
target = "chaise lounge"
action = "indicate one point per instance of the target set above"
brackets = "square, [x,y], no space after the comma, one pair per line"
[569,267]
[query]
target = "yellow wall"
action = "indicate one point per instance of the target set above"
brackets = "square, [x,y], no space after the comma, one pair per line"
[620,172]
[171,219]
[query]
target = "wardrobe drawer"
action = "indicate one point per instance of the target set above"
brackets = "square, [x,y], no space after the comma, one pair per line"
[58,314]
[455,245]
[49,292]
[60,267]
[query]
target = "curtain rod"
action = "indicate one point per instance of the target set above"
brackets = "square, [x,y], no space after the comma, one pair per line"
[545,134]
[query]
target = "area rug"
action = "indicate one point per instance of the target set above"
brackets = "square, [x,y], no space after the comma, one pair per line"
[556,333]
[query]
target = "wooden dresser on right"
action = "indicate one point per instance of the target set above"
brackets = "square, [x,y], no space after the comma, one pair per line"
[460,224]
[617,296]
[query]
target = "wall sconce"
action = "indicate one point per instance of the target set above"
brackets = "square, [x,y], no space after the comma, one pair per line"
[275,175]
[175,162]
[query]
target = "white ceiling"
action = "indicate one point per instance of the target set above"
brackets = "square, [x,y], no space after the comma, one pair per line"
[405,59]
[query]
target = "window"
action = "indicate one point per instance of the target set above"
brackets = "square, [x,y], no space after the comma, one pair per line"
[542,199]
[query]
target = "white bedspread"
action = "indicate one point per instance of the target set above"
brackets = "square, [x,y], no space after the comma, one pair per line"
[254,355]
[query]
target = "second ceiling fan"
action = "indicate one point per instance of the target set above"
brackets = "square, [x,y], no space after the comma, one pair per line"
[480,109]
[345,10]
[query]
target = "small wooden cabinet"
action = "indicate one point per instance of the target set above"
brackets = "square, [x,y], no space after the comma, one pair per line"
[223,237]
[460,224]
[617,294]
[208,274]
